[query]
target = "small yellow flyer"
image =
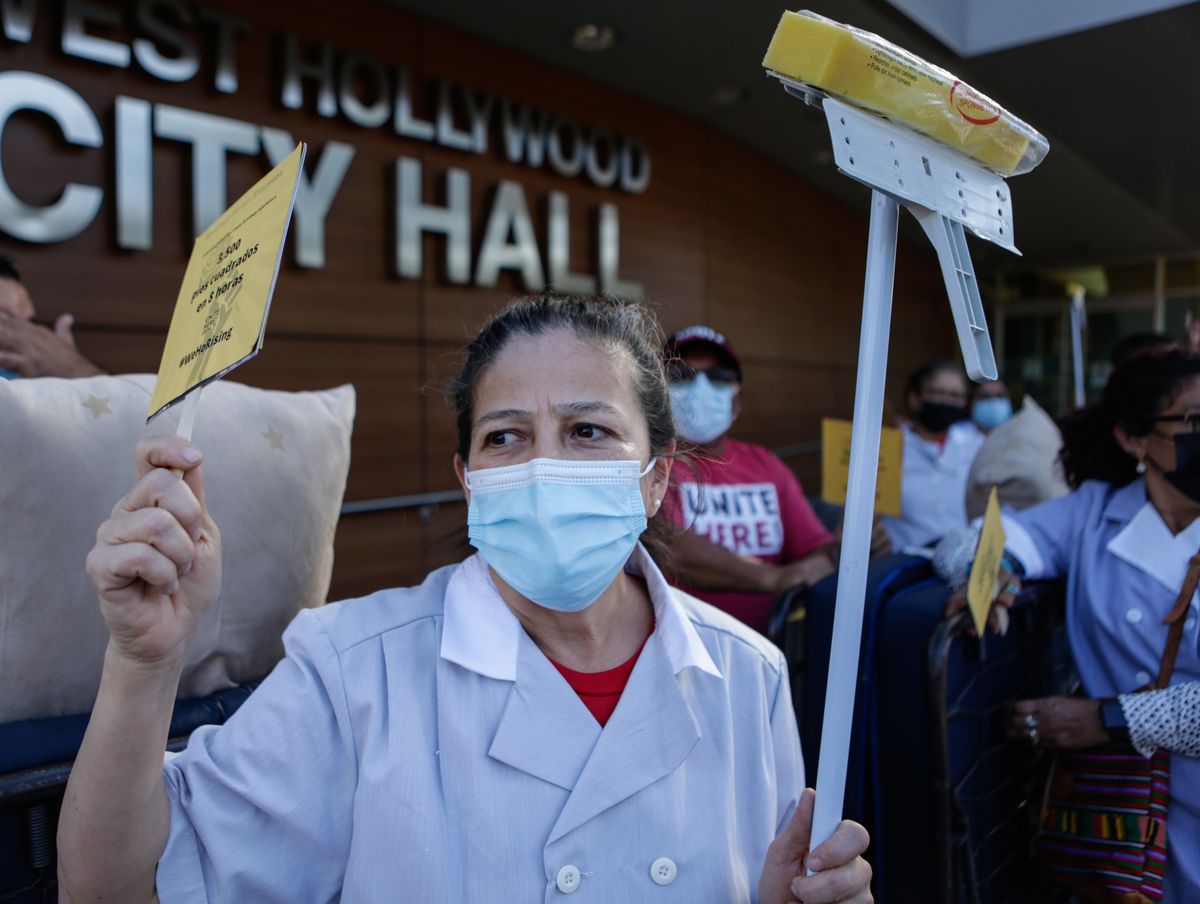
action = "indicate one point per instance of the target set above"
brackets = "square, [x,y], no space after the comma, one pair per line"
[981,588]
[221,313]
[835,466]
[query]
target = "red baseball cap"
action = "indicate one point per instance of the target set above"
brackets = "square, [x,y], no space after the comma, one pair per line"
[700,336]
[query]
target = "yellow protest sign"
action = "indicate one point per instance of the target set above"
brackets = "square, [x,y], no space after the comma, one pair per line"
[221,312]
[981,588]
[835,466]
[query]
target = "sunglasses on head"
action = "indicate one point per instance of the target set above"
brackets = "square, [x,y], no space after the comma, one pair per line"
[678,372]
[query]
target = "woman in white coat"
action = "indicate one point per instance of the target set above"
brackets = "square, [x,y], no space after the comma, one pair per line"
[547,719]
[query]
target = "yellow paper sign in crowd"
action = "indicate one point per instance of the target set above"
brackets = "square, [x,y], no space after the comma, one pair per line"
[981,588]
[835,466]
[221,313]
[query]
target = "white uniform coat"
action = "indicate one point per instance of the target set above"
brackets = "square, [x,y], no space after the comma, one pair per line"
[933,486]
[416,746]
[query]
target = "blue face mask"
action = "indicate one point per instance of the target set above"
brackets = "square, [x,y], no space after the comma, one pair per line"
[991,413]
[703,410]
[557,532]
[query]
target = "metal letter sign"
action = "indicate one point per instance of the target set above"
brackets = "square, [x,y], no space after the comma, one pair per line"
[79,204]
[165,43]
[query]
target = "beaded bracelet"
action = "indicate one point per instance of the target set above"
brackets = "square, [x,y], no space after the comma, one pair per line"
[1008,563]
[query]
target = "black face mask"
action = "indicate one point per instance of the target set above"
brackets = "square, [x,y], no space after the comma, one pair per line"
[936,417]
[1186,476]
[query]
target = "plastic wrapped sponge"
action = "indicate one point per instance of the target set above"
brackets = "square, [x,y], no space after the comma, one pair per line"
[872,73]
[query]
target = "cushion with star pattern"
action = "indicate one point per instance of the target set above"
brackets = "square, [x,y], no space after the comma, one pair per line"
[275,471]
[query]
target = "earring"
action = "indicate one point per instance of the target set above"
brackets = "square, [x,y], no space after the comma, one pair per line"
[1141,467]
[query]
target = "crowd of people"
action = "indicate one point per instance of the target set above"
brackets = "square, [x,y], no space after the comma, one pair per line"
[595,674]
[1108,500]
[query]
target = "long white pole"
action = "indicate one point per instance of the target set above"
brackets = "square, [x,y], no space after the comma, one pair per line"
[860,509]
[1077,316]
[187,419]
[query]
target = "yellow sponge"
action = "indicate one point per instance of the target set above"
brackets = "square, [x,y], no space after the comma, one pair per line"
[872,73]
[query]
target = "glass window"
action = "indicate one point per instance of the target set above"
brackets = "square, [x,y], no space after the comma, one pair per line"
[1038,355]
[1183,274]
[1130,279]
[1178,308]
[1033,356]
[1104,330]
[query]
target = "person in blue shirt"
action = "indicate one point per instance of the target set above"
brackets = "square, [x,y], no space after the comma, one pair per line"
[28,349]
[443,742]
[1122,539]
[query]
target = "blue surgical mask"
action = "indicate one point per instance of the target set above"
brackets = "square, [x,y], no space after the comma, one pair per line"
[557,532]
[991,413]
[703,410]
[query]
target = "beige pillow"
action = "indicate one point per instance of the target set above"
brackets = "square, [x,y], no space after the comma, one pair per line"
[1020,458]
[275,471]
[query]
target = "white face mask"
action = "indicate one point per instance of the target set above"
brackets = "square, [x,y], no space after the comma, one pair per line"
[558,532]
[703,410]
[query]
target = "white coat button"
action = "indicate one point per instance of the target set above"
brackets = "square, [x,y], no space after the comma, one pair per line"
[1142,678]
[567,879]
[1133,616]
[663,871]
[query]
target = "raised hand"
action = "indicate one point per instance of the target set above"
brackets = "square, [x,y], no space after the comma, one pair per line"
[1008,588]
[32,350]
[156,564]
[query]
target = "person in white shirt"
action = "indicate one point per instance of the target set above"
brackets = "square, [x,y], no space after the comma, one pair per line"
[939,446]
[548,718]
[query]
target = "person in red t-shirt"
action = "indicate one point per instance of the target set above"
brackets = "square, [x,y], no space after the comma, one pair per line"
[748,532]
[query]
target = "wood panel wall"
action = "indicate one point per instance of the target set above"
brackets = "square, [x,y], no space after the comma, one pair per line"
[720,236]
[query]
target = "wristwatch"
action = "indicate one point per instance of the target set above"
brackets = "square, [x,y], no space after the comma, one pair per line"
[1113,719]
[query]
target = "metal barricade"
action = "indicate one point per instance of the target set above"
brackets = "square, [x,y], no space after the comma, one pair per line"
[985,785]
